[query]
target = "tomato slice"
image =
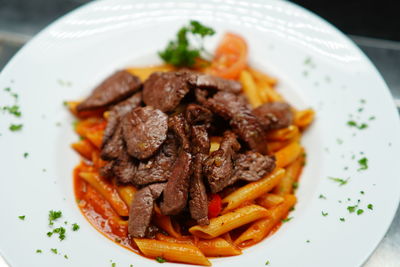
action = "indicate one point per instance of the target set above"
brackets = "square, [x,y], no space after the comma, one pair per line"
[230,57]
[214,206]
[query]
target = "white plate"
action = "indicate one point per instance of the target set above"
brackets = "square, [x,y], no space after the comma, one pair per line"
[71,56]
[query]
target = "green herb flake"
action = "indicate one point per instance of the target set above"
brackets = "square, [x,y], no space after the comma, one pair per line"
[360,211]
[75,227]
[38,251]
[342,219]
[160,259]
[362,192]
[66,256]
[61,232]
[267,263]
[54,215]
[321,196]
[26,154]
[113,264]
[15,127]
[363,162]
[7,89]
[54,250]
[13,110]
[308,241]
[287,219]
[22,217]
[352,209]
[370,206]
[324,213]
[339,180]
[49,234]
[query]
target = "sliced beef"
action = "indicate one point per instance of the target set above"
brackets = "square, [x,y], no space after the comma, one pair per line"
[274,115]
[114,146]
[235,109]
[107,170]
[206,81]
[144,130]
[115,88]
[178,125]
[141,209]
[198,204]
[252,166]
[127,105]
[176,190]
[124,168]
[200,141]
[196,114]
[165,90]
[218,167]
[158,168]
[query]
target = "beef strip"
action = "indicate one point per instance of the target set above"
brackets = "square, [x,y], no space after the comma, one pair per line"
[114,146]
[207,81]
[124,168]
[196,114]
[218,167]
[115,88]
[198,203]
[165,90]
[178,125]
[252,166]
[274,115]
[141,209]
[107,170]
[235,109]
[144,130]
[158,168]
[200,140]
[176,190]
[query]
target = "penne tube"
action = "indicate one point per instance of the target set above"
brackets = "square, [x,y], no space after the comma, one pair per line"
[271,94]
[283,134]
[144,73]
[250,89]
[185,253]
[229,221]
[261,77]
[303,118]
[71,105]
[165,223]
[84,148]
[107,191]
[270,200]
[288,154]
[127,193]
[293,171]
[261,228]
[180,240]
[252,190]
[95,137]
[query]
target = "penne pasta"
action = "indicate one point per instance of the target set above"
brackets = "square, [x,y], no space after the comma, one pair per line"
[288,154]
[84,148]
[252,190]
[261,228]
[127,193]
[165,223]
[250,89]
[293,171]
[270,200]
[107,191]
[231,220]
[95,137]
[144,73]
[262,78]
[283,134]
[185,253]
[303,118]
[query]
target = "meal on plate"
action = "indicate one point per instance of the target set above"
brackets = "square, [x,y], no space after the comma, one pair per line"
[195,158]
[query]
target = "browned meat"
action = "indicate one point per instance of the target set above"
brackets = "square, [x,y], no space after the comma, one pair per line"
[144,130]
[158,168]
[107,170]
[196,114]
[178,125]
[198,204]
[114,146]
[274,115]
[200,140]
[206,81]
[124,168]
[176,190]
[127,105]
[115,88]
[165,90]
[218,167]
[252,166]
[141,209]
[243,122]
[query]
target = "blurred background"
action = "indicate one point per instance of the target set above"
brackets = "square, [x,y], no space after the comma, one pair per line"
[373,25]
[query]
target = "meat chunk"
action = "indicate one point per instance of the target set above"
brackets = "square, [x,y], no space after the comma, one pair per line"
[165,90]
[198,204]
[127,105]
[144,130]
[252,166]
[196,114]
[274,115]
[124,168]
[158,168]
[206,81]
[200,140]
[218,167]
[141,209]
[114,146]
[244,123]
[115,88]
[176,190]
[178,125]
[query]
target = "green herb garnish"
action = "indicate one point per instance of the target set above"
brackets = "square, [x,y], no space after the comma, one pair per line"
[160,259]
[38,251]
[22,217]
[287,219]
[342,219]
[15,127]
[363,162]
[339,180]
[54,250]
[61,232]
[324,213]
[360,211]
[75,227]
[267,263]
[26,154]
[352,209]
[321,196]
[370,206]
[180,52]
[54,215]
[13,110]
[66,256]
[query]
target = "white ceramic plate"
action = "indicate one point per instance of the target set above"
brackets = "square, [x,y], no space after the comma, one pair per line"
[316,65]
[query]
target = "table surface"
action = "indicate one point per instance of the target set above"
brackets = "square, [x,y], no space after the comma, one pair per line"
[19,24]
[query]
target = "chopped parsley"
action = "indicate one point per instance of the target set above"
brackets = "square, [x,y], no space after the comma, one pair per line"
[360,126]
[180,52]
[362,192]
[13,110]
[15,127]
[75,227]
[287,219]
[26,154]
[66,256]
[363,162]
[22,217]
[54,250]
[321,196]
[61,232]
[160,259]
[113,264]
[308,241]
[267,263]
[360,211]
[324,213]
[339,180]
[370,206]
[38,251]
[352,209]
[54,215]
[342,219]
[371,118]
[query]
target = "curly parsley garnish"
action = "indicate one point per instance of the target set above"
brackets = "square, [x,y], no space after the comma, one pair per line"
[75,227]
[15,127]
[22,217]
[370,206]
[160,259]
[54,215]
[363,162]
[180,52]
[339,180]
